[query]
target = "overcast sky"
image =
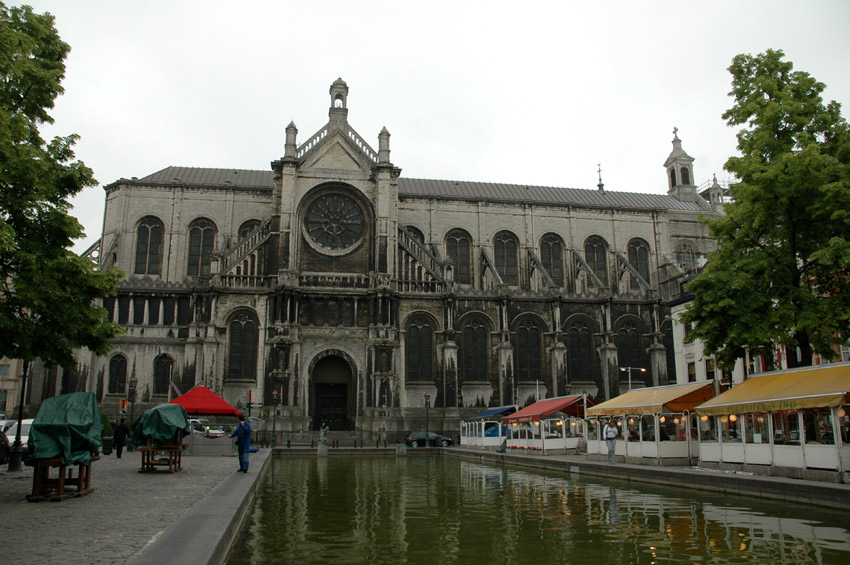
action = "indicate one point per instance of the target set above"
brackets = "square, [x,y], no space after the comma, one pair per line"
[528,93]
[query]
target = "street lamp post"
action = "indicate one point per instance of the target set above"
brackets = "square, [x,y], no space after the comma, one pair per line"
[131,398]
[629,371]
[17,450]
[275,398]
[427,407]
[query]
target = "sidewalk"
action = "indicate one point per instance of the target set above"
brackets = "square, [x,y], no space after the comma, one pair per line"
[127,511]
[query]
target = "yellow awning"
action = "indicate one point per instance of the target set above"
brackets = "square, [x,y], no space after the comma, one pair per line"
[675,398]
[794,389]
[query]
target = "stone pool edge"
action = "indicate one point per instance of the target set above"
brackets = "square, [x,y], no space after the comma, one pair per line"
[206,532]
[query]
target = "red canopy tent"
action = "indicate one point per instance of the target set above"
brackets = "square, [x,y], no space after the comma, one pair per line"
[201,400]
[571,405]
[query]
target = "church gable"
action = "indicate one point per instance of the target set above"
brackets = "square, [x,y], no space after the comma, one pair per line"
[337,153]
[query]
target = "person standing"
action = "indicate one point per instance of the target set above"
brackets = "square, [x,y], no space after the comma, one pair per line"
[119,436]
[610,433]
[242,433]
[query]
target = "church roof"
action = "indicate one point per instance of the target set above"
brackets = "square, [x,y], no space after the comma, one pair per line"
[500,192]
[438,189]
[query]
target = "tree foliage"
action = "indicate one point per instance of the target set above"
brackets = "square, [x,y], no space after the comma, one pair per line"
[781,274]
[47,302]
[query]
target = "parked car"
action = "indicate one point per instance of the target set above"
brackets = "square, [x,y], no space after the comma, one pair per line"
[416,439]
[5,448]
[205,427]
[5,424]
[25,434]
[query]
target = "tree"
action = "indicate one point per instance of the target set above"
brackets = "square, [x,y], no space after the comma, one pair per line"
[781,273]
[47,306]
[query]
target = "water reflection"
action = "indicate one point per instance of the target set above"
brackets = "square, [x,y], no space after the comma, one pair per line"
[444,510]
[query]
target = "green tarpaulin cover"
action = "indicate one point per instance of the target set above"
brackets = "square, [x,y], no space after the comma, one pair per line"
[160,423]
[67,426]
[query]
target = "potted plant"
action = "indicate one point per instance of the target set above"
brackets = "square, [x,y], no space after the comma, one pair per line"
[106,435]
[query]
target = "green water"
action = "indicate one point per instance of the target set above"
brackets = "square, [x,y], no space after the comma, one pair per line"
[432,509]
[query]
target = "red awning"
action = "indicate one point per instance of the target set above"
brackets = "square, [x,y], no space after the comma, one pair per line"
[201,400]
[569,404]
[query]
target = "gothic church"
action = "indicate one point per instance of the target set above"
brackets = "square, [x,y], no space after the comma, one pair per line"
[330,288]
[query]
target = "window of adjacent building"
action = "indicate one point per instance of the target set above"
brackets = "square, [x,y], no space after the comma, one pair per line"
[639,260]
[418,351]
[552,257]
[117,375]
[242,362]
[201,245]
[459,250]
[505,251]
[5,370]
[692,372]
[596,256]
[162,369]
[709,369]
[628,347]
[670,351]
[579,353]
[528,352]
[474,352]
[149,246]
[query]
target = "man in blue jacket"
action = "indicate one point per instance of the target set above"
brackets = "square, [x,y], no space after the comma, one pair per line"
[243,441]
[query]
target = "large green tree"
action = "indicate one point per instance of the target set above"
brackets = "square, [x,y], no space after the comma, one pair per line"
[47,305]
[781,273]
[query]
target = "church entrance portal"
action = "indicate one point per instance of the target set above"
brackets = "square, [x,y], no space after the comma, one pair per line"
[332,397]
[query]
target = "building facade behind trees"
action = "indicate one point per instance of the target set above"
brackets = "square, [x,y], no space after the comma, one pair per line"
[358,295]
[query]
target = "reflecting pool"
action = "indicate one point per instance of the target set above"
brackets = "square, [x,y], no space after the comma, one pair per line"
[439,509]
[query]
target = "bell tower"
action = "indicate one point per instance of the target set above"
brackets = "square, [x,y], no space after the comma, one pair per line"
[680,172]
[338,112]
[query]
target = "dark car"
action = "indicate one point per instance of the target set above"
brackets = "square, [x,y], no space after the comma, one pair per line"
[5,448]
[416,439]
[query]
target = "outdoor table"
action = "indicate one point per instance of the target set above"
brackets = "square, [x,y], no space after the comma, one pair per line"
[168,455]
[63,486]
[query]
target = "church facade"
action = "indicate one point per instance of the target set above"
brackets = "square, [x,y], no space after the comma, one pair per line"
[330,288]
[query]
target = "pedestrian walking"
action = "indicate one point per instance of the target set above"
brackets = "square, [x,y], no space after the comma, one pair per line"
[610,433]
[242,433]
[119,436]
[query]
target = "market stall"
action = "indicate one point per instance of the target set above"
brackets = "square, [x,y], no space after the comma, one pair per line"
[795,419]
[656,423]
[550,425]
[485,430]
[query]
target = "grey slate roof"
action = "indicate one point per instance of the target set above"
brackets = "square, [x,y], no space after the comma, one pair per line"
[439,189]
[240,178]
[498,192]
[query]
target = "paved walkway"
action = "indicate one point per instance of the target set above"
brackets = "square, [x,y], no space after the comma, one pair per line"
[126,512]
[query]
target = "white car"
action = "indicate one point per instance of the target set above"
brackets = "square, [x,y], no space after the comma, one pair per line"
[202,426]
[25,433]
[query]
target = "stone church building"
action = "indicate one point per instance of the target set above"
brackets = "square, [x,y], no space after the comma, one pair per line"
[331,288]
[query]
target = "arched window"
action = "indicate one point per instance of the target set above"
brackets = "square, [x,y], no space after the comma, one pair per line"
[474,352]
[686,257]
[247,228]
[672,177]
[639,260]
[505,251]
[149,247]
[163,367]
[628,346]
[117,375]
[201,245]
[418,351]
[528,352]
[459,250]
[416,234]
[551,255]
[579,353]
[242,362]
[596,255]
[686,175]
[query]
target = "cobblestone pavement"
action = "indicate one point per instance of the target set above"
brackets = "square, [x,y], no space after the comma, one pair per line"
[126,511]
